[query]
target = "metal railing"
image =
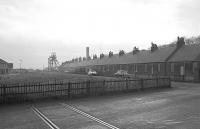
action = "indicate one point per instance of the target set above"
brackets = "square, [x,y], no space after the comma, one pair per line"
[34,91]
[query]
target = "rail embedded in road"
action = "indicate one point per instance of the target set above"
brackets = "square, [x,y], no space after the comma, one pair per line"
[66,106]
[44,118]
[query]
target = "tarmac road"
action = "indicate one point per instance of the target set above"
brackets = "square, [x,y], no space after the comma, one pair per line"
[19,117]
[174,108]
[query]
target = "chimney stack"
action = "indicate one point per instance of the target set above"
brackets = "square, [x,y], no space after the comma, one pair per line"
[154,47]
[87,53]
[180,42]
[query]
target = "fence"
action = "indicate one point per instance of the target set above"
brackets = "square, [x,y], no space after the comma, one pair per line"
[33,91]
[184,78]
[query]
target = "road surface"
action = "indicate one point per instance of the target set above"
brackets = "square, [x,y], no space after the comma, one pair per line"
[174,108]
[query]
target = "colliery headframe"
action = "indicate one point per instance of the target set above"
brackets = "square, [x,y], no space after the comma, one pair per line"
[53,63]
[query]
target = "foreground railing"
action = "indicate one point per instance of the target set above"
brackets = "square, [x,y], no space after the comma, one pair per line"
[34,91]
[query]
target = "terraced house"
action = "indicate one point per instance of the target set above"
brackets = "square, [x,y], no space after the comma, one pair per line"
[5,67]
[179,61]
[185,63]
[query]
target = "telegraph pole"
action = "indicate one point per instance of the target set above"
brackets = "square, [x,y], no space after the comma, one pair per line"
[20,65]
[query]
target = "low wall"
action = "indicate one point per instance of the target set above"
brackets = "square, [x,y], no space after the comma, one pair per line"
[184,78]
[34,91]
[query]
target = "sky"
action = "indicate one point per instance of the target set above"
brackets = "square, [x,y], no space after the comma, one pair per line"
[30,30]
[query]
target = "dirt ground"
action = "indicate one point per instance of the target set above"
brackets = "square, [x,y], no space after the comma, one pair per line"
[174,108]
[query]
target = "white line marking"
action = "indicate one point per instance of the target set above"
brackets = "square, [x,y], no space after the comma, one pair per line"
[66,106]
[160,127]
[45,119]
[173,122]
[168,120]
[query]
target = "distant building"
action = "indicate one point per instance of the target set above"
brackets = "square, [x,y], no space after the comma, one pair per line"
[179,61]
[5,67]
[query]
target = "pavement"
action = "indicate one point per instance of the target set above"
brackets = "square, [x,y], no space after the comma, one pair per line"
[171,108]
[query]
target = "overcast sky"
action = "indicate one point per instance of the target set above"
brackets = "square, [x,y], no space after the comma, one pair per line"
[31,29]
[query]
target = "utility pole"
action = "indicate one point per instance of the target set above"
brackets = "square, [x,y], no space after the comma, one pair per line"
[20,65]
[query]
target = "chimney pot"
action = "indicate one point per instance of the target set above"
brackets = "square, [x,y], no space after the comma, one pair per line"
[180,42]
[153,47]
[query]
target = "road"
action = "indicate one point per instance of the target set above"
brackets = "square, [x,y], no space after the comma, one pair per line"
[174,108]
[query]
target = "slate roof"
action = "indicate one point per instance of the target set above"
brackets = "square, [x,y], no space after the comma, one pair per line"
[144,56]
[187,53]
[2,61]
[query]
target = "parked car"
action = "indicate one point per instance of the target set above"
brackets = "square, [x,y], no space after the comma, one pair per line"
[92,72]
[122,74]
[66,71]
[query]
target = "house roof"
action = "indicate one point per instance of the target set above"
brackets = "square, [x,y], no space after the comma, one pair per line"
[144,56]
[2,61]
[147,56]
[187,53]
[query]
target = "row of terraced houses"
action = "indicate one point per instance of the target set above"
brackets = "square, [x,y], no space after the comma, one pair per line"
[179,61]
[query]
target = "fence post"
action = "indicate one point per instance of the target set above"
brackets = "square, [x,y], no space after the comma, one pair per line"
[69,90]
[104,82]
[88,87]
[127,84]
[142,84]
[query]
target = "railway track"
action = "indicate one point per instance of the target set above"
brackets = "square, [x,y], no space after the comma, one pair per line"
[44,118]
[67,107]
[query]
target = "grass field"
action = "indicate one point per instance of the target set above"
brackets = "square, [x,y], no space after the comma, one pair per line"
[48,76]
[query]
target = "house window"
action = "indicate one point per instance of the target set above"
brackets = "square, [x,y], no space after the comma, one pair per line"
[135,67]
[120,67]
[132,68]
[182,71]
[172,67]
[152,69]
[158,67]
[194,66]
[106,68]
[145,68]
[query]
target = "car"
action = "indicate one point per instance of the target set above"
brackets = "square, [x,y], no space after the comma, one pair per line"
[122,74]
[92,72]
[66,71]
